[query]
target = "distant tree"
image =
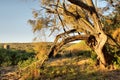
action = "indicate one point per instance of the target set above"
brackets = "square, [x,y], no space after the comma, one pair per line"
[82,18]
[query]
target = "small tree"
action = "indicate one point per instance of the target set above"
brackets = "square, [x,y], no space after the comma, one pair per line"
[82,18]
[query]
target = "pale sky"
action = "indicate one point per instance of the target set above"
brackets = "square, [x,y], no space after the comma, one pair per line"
[14,15]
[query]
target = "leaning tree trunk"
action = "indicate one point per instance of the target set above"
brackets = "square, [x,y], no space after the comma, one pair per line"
[101,37]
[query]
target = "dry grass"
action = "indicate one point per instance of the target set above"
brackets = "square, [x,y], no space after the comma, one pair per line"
[69,68]
[76,68]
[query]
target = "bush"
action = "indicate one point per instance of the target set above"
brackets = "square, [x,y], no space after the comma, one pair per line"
[58,55]
[13,57]
[93,56]
[25,63]
[117,61]
[68,55]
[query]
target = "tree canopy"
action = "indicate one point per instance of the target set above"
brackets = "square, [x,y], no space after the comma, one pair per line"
[65,14]
[79,20]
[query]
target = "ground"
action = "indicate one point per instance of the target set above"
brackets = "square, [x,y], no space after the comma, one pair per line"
[74,68]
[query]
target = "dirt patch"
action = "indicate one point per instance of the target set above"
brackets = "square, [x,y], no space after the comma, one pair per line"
[7,72]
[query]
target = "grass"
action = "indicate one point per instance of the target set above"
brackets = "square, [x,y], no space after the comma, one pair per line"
[75,62]
[75,68]
[79,46]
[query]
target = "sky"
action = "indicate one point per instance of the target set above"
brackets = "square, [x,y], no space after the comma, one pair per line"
[14,15]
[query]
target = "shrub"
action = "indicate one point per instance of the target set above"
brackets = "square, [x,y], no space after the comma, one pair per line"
[93,56]
[68,55]
[25,63]
[116,62]
[13,57]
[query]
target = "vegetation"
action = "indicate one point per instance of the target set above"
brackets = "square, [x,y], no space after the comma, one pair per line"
[72,63]
[95,57]
[13,57]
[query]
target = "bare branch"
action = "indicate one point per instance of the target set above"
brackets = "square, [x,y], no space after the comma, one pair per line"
[60,17]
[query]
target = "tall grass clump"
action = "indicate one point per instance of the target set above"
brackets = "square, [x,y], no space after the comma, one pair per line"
[30,69]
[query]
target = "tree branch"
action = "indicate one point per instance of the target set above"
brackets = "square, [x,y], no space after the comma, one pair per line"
[113,40]
[91,9]
[56,47]
[63,34]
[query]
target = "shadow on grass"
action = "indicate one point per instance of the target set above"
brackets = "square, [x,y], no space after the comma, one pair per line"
[76,73]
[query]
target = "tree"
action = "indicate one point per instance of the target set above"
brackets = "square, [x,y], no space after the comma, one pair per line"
[82,18]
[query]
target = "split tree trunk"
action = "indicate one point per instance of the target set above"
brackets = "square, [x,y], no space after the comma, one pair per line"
[105,59]
[98,49]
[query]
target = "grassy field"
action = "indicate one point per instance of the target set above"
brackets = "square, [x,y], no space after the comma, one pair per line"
[73,62]
[76,68]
